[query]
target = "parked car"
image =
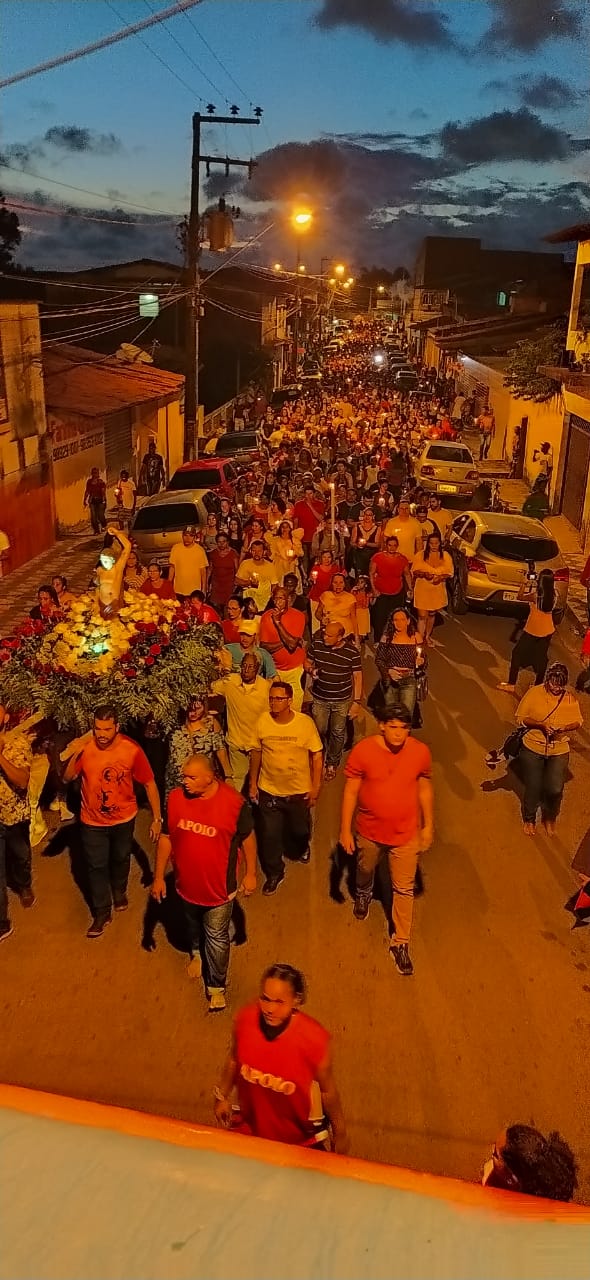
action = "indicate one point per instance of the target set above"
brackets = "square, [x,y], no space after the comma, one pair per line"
[494,552]
[282,395]
[236,444]
[159,523]
[206,473]
[445,468]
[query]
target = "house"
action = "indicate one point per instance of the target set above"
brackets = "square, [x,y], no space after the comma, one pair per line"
[102,412]
[26,494]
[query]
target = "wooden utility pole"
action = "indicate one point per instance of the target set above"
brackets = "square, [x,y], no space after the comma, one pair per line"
[193,310]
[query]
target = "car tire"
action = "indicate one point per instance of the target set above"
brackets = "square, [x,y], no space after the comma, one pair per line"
[457,598]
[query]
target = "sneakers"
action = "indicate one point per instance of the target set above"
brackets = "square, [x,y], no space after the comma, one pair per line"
[195,966]
[362,903]
[271,884]
[120,902]
[401,957]
[98,926]
[5,931]
[27,897]
[216,999]
[38,830]
[66,814]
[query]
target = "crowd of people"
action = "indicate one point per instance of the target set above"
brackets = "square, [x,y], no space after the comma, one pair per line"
[329,564]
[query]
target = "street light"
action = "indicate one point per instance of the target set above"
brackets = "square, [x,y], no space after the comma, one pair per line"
[350,280]
[339,270]
[332,281]
[302,219]
[380,288]
[301,268]
[277,266]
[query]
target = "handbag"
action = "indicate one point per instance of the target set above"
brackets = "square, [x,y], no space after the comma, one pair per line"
[514,741]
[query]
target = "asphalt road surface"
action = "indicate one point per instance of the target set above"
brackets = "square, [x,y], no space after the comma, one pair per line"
[494,1026]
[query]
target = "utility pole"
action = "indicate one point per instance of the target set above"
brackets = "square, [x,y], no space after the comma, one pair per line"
[193,311]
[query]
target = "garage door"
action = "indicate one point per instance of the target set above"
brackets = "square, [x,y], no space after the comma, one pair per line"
[118,446]
[577,465]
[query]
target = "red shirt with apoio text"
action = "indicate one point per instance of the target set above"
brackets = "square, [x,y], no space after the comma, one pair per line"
[275,1077]
[206,834]
[388,810]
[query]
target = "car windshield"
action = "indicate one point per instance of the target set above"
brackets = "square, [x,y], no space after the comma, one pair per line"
[521,547]
[196,478]
[173,515]
[446,453]
[236,442]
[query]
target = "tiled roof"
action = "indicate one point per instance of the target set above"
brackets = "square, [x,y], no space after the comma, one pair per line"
[93,385]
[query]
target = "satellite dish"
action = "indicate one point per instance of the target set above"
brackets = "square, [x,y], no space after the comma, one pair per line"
[128,353]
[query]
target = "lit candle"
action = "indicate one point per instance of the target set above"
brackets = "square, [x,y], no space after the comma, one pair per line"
[333,511]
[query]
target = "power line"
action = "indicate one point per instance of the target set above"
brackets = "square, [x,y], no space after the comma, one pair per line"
[85,217]
[57,279]
[179,7]
[156,18]
[241,91]
[100,195]
[215,87]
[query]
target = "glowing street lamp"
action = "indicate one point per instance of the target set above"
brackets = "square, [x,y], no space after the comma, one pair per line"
[332,281]
[277,266]
[302,219]
[339,270]
[301,268]
[350,280]
[346,284]
[380,288]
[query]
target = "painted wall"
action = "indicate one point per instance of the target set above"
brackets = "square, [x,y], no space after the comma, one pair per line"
[545,421]
[77,445]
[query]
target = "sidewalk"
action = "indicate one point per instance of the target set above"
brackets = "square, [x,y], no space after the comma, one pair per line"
[74,557]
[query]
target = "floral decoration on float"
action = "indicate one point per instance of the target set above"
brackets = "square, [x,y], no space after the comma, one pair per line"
[147,661]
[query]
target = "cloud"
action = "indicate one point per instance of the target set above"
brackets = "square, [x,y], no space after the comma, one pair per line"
[70,241]
[543,92]
[525,25]
[71,137]
[389,22]
[506,136]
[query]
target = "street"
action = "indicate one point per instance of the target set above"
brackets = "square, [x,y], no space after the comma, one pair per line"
[493,1028]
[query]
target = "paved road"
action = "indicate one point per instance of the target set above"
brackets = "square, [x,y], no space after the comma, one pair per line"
[494,1026]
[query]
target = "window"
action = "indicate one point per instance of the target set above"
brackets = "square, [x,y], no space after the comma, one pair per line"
[520,547]
[230,472]
[449,453]
[173,515]
[195,478]
[458,525]
[469,531]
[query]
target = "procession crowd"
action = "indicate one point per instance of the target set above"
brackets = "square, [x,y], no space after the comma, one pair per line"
[326,575]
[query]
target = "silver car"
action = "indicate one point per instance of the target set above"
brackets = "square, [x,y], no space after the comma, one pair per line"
[447,468]
[494,553]
[159,523]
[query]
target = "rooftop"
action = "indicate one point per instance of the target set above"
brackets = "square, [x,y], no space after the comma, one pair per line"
[93,386]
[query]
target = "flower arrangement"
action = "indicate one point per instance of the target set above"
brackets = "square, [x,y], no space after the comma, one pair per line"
[146,661]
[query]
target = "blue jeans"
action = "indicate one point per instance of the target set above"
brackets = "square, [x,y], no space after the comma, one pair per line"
[544,779]
[402,692]
[15,849]
[330,721]
[211,925]
[107,851]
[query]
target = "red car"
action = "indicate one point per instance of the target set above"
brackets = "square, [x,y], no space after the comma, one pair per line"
[207,473]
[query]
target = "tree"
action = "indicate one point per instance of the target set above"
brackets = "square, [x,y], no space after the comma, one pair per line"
[10,235]
[524,359]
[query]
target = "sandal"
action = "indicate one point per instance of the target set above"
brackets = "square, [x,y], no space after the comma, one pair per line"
[329,772]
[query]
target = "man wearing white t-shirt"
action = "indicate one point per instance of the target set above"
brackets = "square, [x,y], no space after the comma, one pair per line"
[406,529]
[285,778]
[188,565]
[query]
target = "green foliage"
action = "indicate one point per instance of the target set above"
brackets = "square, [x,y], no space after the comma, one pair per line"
[522,374]
[10,235]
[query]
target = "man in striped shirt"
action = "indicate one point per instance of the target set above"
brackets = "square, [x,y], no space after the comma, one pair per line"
[334,661]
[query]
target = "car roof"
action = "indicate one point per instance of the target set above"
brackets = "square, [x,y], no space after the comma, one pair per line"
[208,463]
[505,522]
[446,444]
[169,497]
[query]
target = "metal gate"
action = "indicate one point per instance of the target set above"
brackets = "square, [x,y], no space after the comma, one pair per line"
[118,444]
[577,465]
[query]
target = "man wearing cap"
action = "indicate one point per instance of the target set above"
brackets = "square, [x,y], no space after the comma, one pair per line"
[248,633]
[246,697]
[188,565]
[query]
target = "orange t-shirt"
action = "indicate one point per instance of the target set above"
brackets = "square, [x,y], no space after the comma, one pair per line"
[388,806]
[293,620]
[108,796]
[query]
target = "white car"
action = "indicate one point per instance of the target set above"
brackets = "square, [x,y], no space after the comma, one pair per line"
[447,468]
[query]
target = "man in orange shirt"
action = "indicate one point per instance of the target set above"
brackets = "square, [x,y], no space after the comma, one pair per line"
[388,783]
[109,764]
[281,631]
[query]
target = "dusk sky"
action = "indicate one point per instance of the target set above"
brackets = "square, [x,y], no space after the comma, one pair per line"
[390,119]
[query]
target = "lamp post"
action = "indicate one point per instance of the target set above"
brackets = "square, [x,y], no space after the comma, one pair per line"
[301,221]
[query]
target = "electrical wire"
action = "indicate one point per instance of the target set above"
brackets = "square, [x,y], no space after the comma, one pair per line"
[156,18]
[85,217]
[177,42]
[201,37]
[100,195]
[179,7]
[243,249]
[89,288]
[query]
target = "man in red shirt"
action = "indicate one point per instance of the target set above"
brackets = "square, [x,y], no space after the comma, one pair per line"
[109,764]
[223,567]
[207,824]
[281,631]
[388,783]
[308,513]
[203,612]
[390,576]
[95,498]
[277,1056]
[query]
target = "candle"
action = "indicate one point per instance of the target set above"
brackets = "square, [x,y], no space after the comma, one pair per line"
[382,502]
[361,542]
[333,511]
[253,579]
